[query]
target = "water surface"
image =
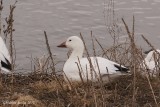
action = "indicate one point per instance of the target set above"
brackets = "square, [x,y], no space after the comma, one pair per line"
[64,18]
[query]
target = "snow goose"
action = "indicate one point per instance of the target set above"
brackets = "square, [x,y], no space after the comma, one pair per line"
[77,68]
[152,60]
[5,61]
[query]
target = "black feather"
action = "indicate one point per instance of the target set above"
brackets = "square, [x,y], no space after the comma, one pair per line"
[121,69]
[146,52]
[6,65]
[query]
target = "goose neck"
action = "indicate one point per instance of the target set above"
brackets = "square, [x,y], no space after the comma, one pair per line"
[76,54]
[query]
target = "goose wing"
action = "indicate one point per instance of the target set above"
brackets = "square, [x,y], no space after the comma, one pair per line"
[102,65]
[4,56]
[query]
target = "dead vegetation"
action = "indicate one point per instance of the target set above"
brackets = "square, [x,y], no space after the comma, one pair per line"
[42,88]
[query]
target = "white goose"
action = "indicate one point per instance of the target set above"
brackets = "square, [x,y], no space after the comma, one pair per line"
[76,67]
[152,60]
[5,60]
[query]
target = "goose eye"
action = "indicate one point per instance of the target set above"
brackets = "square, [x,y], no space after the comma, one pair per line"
[70,40]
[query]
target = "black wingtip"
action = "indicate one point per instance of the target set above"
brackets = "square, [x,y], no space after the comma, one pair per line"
[146,52]
[7,65]
[121,69]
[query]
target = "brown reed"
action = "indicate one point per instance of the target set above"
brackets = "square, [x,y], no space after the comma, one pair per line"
[49,90]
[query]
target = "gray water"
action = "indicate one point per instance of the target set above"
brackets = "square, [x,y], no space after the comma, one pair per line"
[64,18]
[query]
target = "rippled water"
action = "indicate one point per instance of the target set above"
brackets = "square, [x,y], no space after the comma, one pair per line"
[64,18]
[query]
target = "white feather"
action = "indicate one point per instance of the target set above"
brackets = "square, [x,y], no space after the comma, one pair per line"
[75,63]
[4,54]
[152,61]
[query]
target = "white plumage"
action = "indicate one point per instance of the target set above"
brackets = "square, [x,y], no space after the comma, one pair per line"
[152,60]
[76,65]
[5,60]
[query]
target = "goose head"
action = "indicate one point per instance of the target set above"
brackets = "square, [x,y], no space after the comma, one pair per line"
[73,43]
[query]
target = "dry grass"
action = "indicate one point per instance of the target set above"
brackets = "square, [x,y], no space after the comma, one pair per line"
[42,88]
[20,100]
[1,86]
[43,91]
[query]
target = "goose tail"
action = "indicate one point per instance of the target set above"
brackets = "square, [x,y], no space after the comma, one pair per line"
[122,69]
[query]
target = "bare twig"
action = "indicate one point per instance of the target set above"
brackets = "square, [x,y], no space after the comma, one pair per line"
[50,53]
[133,62]
[53,68]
